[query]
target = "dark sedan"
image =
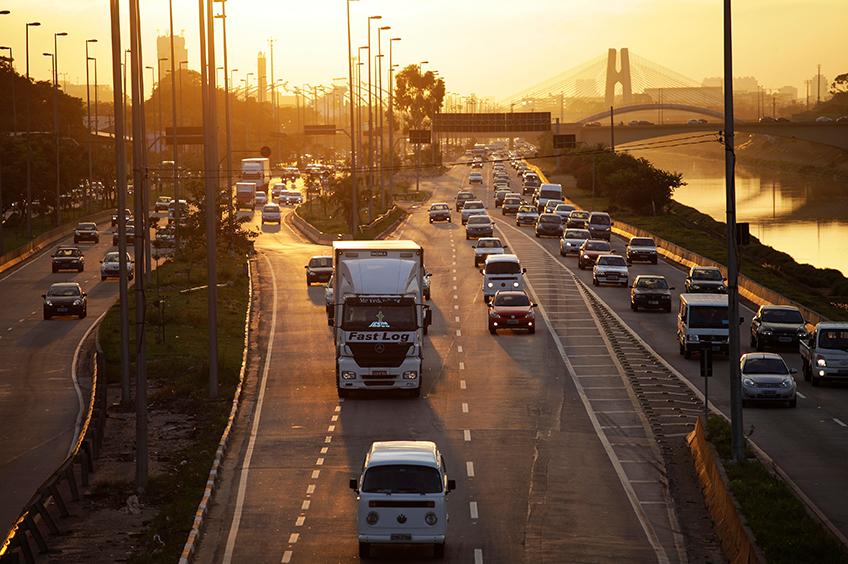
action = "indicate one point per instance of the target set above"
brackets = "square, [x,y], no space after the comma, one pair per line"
[777,326]
[650,292]
[86,231]
[130,235]
[510,205]
[549,225]
[577,219]
[68,258]
[65,298]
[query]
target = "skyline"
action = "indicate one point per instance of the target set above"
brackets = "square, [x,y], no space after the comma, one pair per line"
[498,60]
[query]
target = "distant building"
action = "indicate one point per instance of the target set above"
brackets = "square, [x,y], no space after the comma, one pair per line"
[262,78]
[104,92]
[745,84]
[788,93]
[163,51]
[713,81]
[820,91]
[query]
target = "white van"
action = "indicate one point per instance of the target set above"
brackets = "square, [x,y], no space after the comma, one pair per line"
[501,272]
[547,192]
[702,321]
[401,496]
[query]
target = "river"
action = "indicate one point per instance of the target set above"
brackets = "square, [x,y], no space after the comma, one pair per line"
[803,216]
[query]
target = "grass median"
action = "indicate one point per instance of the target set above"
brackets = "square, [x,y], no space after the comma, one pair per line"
[177,371]
[327,217]
[784,531]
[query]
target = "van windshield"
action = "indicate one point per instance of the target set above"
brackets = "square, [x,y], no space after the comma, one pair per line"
[708,317]
[550,193]
[599,220]
[402,478]
[503,268]
[833,339]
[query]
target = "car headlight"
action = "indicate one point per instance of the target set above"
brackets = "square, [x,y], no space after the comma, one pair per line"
[748,382]
[410,375]
[694,338]
[49,302]
[490,285]
[348,375]
[820,361]
[802,332]
[515,284]
[431,518]
[695,287]
[77,302]
[766,331]
[372,518]
[787,383]
[494,314]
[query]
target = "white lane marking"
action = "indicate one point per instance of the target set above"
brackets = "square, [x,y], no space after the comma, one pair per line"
[456,297]
[456,318]
[300,520]
[458,333]
[74,360]
[840,422]
[310,489]
[293,538]
[800,395]
[459,348]
[328,439]
[334,418]
[254,428]
[466,435]
[337,408]
[287,556]
[331,428]
[469,468]
[472,506]
[462,366]
[478,556]
[454,289]
[305,505]
[464,407]
[456,307]
[315,474]
[324,450]
[454,278]
[319,462]
[462,384]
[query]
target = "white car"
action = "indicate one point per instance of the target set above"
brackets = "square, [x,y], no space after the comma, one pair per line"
[290,198]
[401,496]
[571,241]
[261,198]
[110,266]
[526,215]
[475,178]
[610,269]
[564,210]
[486,246]
[766,378]
[472,207]
[271,214]
[278,190]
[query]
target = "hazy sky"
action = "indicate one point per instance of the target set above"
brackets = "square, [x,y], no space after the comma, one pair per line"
[492,48]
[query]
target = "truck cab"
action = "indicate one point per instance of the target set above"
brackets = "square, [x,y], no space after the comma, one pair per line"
[246,195]
[402,496]
[824,353]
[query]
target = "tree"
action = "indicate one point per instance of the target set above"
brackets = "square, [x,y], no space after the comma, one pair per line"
[418,95]
[840,84]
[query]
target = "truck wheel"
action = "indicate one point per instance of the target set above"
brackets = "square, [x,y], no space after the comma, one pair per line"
[364,549]
[426,329]
[439,550]
[416,393]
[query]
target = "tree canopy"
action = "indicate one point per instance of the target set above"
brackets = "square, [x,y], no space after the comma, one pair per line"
[419,96]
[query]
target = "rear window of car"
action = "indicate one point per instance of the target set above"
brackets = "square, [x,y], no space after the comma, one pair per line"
[642,242]
[439,207]
[550,193]
[576,234]
[464,196]
[321,262]
[489,244]
[612,261]
[549,218]
[271,208]
[473,206]
[479,220]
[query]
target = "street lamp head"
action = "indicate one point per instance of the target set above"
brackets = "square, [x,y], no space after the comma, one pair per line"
[424,63]
[91,41]
[47,54]
[395,39]
[61,34]
[233,70]
[385,27]
[375,17]
[33,24]
[4,12]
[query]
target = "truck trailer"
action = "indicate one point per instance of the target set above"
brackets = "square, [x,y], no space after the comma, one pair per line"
[258,171]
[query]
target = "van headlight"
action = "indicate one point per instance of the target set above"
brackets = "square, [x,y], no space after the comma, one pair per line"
[431,518]
[693,338]
[820,361]
[410,375]
[348,375]
[372,518]
[490,285]
[515,284]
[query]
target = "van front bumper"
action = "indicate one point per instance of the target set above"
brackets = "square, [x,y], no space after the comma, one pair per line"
[404,537]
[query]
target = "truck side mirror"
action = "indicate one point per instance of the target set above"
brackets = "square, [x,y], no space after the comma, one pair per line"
[353,484]
[523,271]
[428,316]
[451,485]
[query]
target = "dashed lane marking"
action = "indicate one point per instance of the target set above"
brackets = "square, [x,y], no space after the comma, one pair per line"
[478,556]
[466,435]
[462,384]
[310,489]
[459,348]
[469,468]
[840,422]
[293,538]
[472,507]
[287,556]
[305,505]
[462,366]
[456,318]
[316,474]
[300,520]
[464,407]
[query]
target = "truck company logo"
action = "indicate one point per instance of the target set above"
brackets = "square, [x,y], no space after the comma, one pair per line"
[381,322]
[380,336]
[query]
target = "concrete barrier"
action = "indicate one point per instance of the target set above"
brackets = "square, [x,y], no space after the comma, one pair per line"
[320,238]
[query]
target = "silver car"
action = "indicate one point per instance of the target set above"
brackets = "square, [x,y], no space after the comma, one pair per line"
[571,241]
[472,207]
[526,215]
[766,378]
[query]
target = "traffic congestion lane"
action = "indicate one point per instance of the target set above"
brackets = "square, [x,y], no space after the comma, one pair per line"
[807,442]
[39,400]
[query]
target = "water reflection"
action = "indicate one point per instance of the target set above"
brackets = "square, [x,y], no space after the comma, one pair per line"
[806,217]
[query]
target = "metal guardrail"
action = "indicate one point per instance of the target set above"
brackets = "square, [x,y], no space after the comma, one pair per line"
[39,517]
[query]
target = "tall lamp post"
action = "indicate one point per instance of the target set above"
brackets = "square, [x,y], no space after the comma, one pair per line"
[14,129]
[354,220]
[159,108]
[175,154]
[391,117]
[56,37]
[88,115]
[380,105]
[227,130]
[28,146]
[370,119]
[359,98]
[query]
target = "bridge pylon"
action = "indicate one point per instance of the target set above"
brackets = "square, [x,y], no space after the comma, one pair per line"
[616,75]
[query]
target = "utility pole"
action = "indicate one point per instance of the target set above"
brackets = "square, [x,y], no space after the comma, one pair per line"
[818,84]
[227,129]
[141,457]
[175,154]
[612,129]
[87,190]
[28,145]
[391,118]
[380,29]
[737,440]
[370,121]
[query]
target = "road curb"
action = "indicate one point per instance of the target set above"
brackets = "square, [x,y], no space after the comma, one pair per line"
[194,536]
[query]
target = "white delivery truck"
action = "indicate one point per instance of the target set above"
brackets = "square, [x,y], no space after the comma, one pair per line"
[380,318]
[258,171]
[245,195]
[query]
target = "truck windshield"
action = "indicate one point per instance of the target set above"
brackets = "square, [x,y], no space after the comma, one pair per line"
[708,317]
[833,339]
[402,478]
[364,317]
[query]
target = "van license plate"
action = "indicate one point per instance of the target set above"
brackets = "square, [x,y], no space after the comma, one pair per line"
[401,537]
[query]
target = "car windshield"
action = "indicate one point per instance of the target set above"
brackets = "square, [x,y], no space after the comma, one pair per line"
[579,215]
[612,261]
[362,317]
[439,207]
[87,226]
[112,257]
[708,317]
[652,283]
[64,291]
[67,253]
[833,339]
[642,242]
[489,244]
[527,209]
[501,267]
[547,218]
[479,220]
[473,206]
[402,478]
[271,208]
[765,365]
[599,220]
[576,234]
[512,300]
[564,208]
[782,316]
[597,246]
[711,274]
[512,200]
[321,262]
[464,196]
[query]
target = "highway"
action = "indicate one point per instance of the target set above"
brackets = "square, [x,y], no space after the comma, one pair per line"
[540,473]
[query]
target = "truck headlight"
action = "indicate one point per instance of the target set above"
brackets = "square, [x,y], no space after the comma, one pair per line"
[694,338]
[750,383]
[372,518]
[820,361]
[348,375]
[410,375]
[431,518]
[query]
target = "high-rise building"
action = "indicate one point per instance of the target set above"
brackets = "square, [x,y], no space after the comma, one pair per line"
[163,51]
[262,79]
[819,88]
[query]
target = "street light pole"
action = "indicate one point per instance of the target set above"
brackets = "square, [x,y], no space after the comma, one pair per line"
[28,146]
[175,154]
[56,121]
[354,220]
[380,104]
[88,115]
[159,110]
[370,121]
[227,130]
[391,118]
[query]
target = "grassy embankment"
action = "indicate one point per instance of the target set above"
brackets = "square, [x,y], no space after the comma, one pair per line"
[822,290]
[784,531]
[15,237]
[329,218]
[177,372]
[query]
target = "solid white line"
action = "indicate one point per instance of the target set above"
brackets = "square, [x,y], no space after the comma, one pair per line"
[800,395]
[472,506]
[466,435]
[465,407]
[840,422]
[254,428]
[478,556]
[74,360]
[469,468]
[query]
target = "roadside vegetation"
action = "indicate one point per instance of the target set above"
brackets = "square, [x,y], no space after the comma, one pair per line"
[824,290]
[177,370]
[783,529]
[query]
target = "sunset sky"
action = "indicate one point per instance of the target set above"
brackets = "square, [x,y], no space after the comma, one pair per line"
[492,48]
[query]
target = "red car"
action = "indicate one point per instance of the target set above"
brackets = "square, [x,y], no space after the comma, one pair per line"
[511,310]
